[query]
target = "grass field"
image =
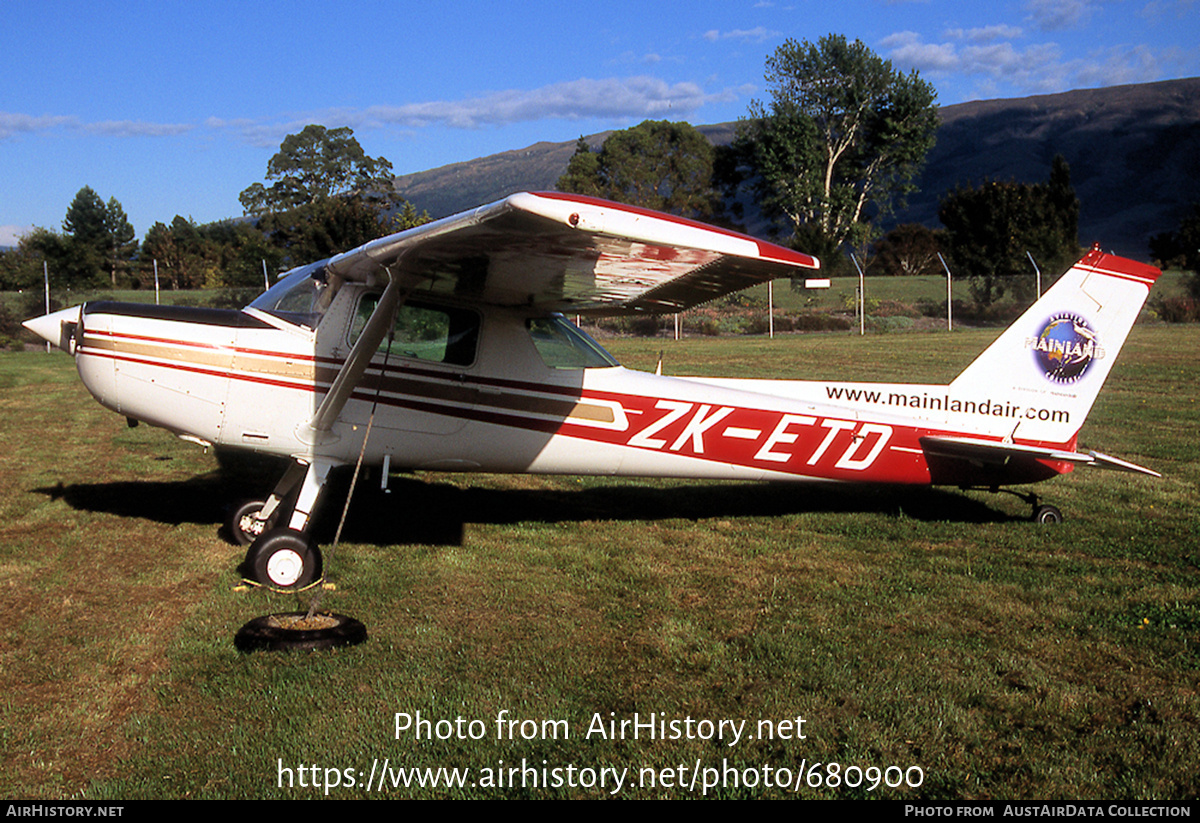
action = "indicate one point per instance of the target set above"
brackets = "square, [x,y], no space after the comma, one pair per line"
[935,629]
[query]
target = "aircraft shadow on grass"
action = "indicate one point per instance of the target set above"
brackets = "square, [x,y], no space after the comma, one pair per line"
[435,511]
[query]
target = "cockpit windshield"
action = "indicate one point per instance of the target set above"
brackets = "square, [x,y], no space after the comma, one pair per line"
[301,297]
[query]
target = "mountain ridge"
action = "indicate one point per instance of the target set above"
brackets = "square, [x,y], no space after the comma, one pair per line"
[1134,153]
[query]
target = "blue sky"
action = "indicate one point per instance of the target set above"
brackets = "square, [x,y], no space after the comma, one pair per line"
[175,108]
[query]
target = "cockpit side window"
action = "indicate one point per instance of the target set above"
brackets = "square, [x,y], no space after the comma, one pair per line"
[563,346]
[437,334]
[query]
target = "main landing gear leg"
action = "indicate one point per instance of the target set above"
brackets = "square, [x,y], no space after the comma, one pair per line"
[254,517]
[284,559]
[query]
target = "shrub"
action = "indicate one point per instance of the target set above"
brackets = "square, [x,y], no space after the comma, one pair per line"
[810,321]
[888,325]
[1177,309]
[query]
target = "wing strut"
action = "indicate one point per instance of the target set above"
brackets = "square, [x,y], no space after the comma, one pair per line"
[376,329]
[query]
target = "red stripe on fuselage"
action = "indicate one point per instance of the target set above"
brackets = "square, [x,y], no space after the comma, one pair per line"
[801,445]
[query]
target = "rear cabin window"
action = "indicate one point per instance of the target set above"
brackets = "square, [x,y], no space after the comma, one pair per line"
[436,334]
[563,346]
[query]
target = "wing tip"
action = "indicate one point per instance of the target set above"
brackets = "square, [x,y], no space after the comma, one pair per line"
[1110,264]
[766,250]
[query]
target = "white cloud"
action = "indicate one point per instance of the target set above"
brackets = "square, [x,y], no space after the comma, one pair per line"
[610,98]
[616,99]
[1038,68]
[758,34]
[1055,15]
[1120,65]
[907,49]
[629,58]
[12,123]
[137,128]
[1173,9]
[11,235]
[986,34]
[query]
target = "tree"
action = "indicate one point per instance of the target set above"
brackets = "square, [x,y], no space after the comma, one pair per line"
[86,240]
[21,268]
[992,230]
[178,252]
[908,249]
[100,238]
[120,245]
[315,165]
[86,219]
[322,229]
[1181,249]
[583,174]
[843,136]
[656,165]
[329,196]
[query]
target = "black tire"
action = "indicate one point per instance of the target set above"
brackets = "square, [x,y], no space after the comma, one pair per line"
[283,560]
[271,633]
[1047,514]
[244,527]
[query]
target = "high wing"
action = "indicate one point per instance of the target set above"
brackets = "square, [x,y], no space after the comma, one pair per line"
[574,254]
[555,251]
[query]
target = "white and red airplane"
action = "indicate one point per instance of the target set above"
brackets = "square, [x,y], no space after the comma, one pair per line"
[444,348]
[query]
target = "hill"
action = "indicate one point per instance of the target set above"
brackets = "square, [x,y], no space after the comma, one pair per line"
[1134,153]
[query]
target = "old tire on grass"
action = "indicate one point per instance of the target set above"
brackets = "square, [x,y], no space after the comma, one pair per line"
[295,632]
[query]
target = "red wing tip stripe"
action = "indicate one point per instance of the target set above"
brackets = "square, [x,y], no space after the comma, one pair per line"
[769,251]
[1144,279]
[1122,267]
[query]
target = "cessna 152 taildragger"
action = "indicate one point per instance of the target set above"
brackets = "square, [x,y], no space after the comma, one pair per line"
[450,338]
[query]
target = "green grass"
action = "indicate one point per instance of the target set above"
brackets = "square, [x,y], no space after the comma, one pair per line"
[935,629]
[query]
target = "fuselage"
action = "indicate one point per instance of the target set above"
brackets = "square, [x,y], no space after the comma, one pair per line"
[470,387]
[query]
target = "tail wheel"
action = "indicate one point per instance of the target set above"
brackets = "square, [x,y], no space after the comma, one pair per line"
[283,560]
[1047,514]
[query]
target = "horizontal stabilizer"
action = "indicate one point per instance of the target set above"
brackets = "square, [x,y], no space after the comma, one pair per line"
[992,452]
[1105,461]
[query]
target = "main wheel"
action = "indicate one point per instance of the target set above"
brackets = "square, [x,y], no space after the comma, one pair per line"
[284,560]
[1047,514]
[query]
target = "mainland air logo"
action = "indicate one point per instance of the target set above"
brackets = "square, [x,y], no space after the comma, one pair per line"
[1065,348]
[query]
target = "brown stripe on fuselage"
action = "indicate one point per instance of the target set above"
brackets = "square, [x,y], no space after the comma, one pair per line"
[214,357]
[451,389]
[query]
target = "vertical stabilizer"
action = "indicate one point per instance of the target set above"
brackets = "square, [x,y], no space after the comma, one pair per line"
[1051,363]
